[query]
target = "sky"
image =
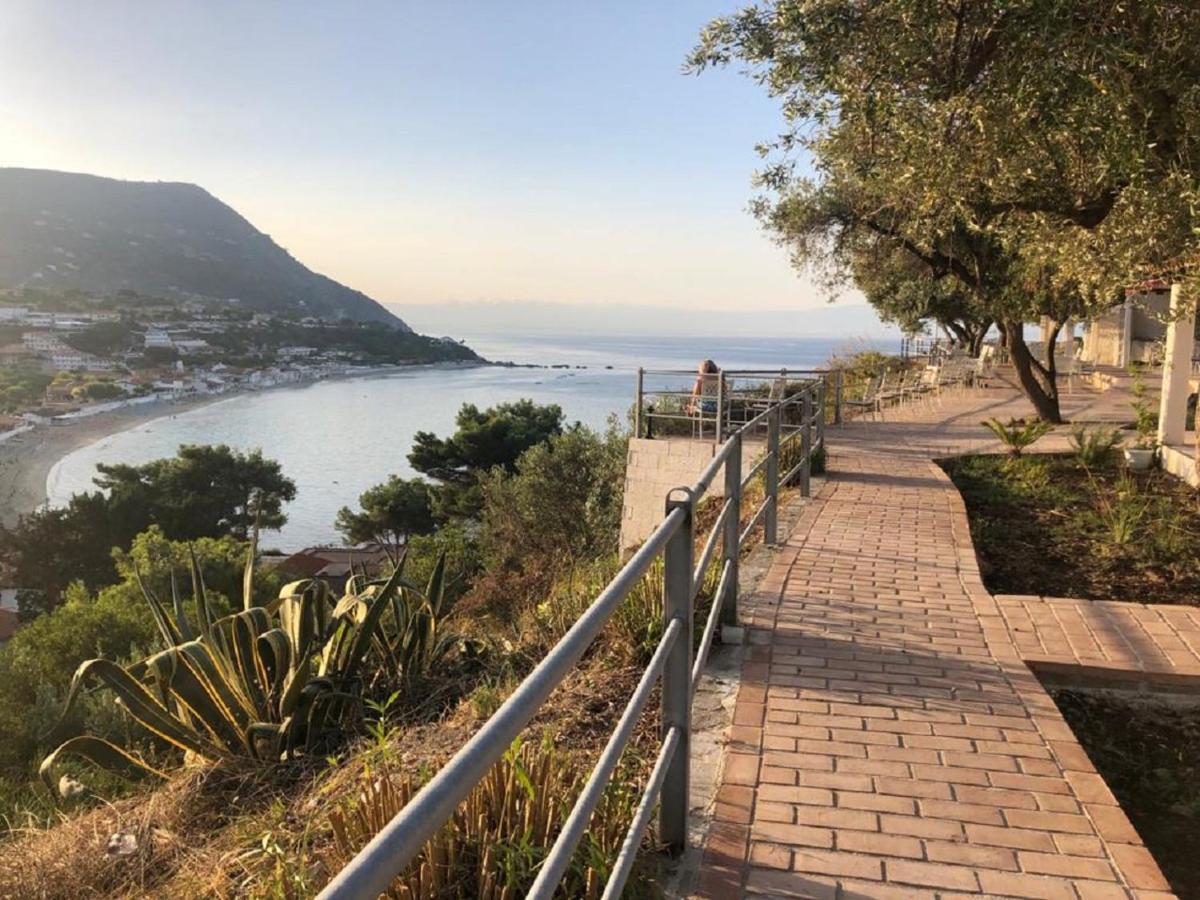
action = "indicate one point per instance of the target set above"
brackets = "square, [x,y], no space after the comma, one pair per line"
[424,153]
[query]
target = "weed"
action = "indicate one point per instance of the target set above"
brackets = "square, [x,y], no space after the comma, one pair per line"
[1145,418]
[1121,510]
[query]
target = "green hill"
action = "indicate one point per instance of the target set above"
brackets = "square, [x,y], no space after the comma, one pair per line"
[63,231]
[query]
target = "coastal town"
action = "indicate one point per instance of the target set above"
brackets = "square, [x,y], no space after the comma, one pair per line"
[73,354]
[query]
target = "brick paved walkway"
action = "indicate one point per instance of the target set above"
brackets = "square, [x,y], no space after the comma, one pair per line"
[889,739]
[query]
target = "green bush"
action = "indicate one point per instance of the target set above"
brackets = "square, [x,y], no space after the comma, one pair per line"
[562,503]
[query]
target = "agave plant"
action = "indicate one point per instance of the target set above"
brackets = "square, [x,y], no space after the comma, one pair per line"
[263,683]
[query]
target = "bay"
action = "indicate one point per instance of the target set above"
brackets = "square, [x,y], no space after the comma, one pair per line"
[337,438]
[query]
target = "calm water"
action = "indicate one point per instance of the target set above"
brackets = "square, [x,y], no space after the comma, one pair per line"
[336,439]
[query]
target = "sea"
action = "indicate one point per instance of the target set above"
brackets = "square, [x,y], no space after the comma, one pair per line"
[336,438]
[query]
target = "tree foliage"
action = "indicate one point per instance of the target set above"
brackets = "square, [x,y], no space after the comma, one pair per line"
[389,513]
[482,440]
[562,503]
[1041,154]
[202,492]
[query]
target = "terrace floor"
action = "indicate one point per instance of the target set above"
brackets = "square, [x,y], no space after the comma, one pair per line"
[890,738]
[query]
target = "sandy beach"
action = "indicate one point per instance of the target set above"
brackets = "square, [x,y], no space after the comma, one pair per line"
[26,459]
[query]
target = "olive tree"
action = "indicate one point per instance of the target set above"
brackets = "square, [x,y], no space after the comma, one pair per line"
[1039,153]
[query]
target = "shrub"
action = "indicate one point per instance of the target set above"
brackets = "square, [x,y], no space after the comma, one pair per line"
[563,502]
[1018,434]
[1094,447]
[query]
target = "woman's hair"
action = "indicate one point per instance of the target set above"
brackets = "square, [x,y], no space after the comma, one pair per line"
[708,367]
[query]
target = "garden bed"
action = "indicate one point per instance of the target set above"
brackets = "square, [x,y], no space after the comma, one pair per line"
[1149,754]
[1053,526]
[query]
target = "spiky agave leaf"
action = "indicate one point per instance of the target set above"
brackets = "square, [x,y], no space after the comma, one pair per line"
[167,628]
[251,556]
[359,638]
[99,752]
[140,704]
[200,594]
[276,653]
[185,628]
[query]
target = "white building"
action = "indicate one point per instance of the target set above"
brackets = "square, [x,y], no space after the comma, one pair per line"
[156,337]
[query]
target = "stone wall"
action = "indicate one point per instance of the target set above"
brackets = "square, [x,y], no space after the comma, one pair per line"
[655,466]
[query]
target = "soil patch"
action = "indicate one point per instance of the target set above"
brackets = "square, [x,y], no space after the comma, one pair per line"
[1149,753]
[1052,526]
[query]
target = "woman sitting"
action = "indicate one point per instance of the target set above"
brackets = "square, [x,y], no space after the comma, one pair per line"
[703,402]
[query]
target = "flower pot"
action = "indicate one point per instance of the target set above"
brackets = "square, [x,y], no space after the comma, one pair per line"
[1139,459]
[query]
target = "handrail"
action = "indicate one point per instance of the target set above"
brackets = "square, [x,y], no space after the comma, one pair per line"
[711,414]
[400,840]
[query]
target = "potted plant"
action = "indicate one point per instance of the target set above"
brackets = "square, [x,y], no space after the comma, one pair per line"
[1140,457]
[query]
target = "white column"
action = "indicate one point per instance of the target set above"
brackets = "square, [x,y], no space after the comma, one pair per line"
[1177,370]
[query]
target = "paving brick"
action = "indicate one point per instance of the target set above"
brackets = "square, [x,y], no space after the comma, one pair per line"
[1065,865]
[935,875]
[1047,821]
[1138,867]
[773,883]
[1019,885]
[898,742]
[876,802]
[878,844]
[961,812]
[829,817]
[792,835]
[919,827]
[831,863]
[972,855]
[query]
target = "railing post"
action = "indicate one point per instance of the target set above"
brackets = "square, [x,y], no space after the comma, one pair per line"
[719,422]
[837,397]
[806,445]
[772,515]
[732,535]
[637,403]
[677,679]
[820,416]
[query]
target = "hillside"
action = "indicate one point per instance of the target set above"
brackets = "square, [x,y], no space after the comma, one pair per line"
[64,231]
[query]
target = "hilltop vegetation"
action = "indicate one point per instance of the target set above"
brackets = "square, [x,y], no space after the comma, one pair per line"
[63,231]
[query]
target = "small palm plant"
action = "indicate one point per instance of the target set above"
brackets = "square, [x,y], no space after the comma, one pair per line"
[1094,446]
[264,683]
[1018,434]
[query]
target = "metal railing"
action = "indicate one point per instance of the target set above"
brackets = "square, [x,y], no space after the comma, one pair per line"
[795,429]
[681,402]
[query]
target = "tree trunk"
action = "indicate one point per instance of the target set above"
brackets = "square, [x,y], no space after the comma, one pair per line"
[1037,380]
[961,335]
[977,339]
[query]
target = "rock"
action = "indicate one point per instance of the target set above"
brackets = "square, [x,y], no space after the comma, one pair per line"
[122,844]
